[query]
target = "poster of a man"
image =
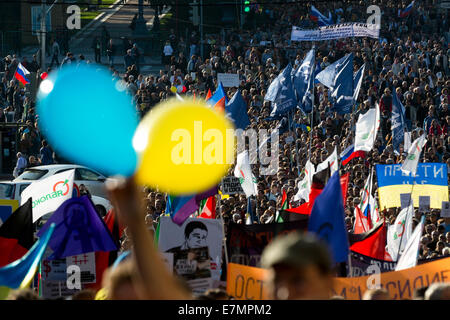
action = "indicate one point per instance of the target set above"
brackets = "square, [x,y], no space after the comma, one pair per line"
[195,235]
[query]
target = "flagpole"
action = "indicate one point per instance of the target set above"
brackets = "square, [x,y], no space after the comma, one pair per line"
[224,239]
[312,102]
[403,231]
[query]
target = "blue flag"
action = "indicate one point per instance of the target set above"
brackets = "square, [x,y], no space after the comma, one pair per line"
[397,122]
[328,75]
[343,87]
[236,109]
[79,229]
[281,93]
[327,219]
[303,81]
[19,273]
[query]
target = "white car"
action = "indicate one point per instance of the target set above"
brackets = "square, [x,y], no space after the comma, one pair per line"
[11,190]
[93,180]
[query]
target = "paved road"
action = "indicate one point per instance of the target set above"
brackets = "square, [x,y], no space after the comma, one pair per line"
[116,20]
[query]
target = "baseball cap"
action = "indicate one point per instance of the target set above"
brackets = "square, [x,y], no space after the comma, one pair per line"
[297,250]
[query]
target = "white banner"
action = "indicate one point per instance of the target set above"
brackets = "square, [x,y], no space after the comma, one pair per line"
[193,233]
[48,194]
[336,31]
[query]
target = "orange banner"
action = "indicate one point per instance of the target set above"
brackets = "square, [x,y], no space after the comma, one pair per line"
[399,284]
[247,283]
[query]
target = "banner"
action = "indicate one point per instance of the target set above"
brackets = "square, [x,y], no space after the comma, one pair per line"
[48,194]
[430,180]
[335,31]
[193,233]
[245,243]
[247,283]
[399,284]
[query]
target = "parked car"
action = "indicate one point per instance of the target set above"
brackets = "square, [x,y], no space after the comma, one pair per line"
[12,190]
[93,180]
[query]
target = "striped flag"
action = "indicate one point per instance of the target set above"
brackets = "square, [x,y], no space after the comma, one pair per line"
[21,74]
[407,11]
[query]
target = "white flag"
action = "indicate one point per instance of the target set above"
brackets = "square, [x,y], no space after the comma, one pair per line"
[407,143]
[399,233]
[367,129]
[304,186]
[365,194]
[245,174]
[332,160]
[412,159]
[409,257]
[374,212]
[48,194]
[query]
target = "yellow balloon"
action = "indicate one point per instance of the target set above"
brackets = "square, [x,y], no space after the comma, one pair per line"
[183,147]
[173,89]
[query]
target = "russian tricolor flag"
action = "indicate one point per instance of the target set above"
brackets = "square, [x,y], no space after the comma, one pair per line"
[21,74]
[218,99]
[405,12]
[349,153]
[317,16]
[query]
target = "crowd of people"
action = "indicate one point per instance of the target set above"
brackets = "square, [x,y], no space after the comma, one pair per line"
[411,60]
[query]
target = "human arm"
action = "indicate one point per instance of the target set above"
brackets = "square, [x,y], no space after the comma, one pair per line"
[156,281]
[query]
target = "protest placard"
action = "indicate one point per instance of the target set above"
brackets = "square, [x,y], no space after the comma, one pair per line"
[405,199]
[228,79]
[424,203]
[231,185]
[86,262]
[445,211]
[193,233]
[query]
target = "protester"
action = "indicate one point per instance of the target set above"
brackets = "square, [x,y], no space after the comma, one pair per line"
[299,268]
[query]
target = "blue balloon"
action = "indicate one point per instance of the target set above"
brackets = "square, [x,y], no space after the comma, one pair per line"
[88,118]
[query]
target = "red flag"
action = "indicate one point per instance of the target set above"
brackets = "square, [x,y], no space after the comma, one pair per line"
[374,245]
[208,95]
[361,222]
[209,210]
[307,207]
[104,259]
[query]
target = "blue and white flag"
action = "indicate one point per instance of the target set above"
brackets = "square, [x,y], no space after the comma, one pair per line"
[303,81]
[343,87]
[281,93]
[328,75]
[357,81]
[397,122]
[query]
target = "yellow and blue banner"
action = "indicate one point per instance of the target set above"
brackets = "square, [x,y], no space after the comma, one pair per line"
[430,180]
[7,207]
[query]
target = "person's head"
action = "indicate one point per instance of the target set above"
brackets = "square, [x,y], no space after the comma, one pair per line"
[438,291]
[23,294]
[195,234]
[376,294]
[120,282]
[299,267]
[214,294]
[85,294]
